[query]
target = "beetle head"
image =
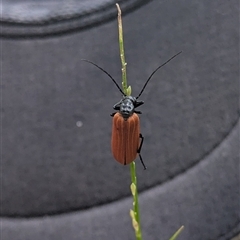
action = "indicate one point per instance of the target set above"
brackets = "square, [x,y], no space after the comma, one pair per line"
[127,106]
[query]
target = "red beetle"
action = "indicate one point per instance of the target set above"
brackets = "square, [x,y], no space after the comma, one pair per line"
[127,140]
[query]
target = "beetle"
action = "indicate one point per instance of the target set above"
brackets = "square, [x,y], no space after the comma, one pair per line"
[127,141]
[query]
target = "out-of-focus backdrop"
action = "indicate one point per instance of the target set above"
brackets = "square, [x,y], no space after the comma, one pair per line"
[58,178]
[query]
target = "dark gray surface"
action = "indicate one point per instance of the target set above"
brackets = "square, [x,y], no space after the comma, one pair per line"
[58,175]
[39,19]
[202,205]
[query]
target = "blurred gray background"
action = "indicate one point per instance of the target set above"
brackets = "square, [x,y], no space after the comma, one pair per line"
[58,178]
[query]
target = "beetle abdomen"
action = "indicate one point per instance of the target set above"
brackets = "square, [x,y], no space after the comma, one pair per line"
[125,138]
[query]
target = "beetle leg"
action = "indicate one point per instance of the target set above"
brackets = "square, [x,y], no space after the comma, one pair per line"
[112,114]
[138,112]
[117,105]
[142,139]
[144,167]
[138,103]
[139,150]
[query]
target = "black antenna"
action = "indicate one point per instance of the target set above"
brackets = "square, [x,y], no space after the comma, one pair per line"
[106,73]
[154,72]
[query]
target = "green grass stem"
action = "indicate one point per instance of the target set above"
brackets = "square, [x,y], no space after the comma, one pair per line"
[127,90]
[134,213]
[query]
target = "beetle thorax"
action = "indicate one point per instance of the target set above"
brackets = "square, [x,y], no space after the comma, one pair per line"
[127,107]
